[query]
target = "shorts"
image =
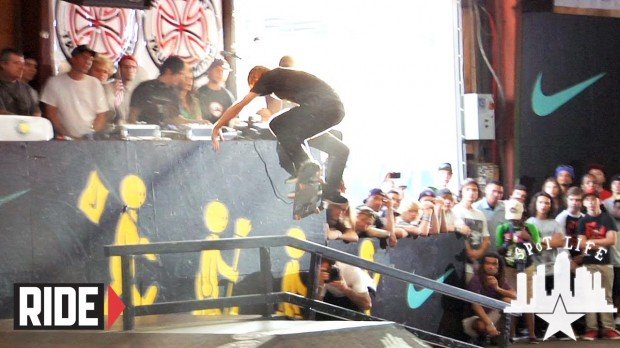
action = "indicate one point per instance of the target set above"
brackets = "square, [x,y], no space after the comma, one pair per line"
[468,323]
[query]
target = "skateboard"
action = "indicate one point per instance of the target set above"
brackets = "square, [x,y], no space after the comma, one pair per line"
[307,191]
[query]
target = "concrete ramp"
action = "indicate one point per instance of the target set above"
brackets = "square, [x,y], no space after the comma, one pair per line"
[185,330]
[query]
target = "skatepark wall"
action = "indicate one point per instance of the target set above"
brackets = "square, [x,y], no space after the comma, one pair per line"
[568,104]
[61,202]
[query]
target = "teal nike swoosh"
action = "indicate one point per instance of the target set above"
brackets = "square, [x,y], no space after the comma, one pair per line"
[543,104]
[11,197]
[416,298]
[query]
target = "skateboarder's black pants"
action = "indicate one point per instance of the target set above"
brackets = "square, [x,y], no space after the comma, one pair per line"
[293,127]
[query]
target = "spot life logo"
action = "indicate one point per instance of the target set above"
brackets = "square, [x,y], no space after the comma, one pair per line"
[57,306]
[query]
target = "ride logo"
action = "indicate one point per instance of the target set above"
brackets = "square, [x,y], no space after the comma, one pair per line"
[58,306]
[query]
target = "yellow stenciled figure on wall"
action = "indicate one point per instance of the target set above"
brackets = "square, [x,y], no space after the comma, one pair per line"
[367,252]
[291,280]
[211,262]
[133,194]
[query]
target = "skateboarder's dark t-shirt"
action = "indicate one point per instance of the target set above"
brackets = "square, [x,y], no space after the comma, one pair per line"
[294,85]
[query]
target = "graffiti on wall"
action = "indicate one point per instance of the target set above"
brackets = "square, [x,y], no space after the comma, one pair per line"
[133,194]
[291,277]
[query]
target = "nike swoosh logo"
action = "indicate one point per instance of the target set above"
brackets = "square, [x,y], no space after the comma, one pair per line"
[12,196]
[544,105]
[416,298]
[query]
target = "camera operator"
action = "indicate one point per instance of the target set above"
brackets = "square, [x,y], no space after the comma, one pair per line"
[344,285]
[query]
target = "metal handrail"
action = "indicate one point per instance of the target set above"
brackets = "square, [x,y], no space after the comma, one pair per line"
[311,247]
[317,251]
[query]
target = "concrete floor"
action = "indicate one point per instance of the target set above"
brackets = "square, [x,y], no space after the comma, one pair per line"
[184,330]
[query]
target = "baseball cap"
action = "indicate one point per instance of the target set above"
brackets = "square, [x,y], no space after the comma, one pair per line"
[514,209]
[597,166]
[82,49]
[443,192]
[427,193]
[366,211]
[445,166]
[219,62]
[376,192]
[565,168]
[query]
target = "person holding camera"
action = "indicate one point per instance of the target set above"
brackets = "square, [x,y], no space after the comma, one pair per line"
[344,285]
[376,201]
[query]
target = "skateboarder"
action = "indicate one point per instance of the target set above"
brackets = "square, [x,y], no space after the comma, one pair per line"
[319,110]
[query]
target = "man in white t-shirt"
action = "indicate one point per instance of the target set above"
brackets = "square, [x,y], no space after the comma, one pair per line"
[478,242]
[349,287]
[75,102]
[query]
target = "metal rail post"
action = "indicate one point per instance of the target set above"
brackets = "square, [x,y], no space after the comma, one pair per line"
[313,281]
[128,284]
[267,278]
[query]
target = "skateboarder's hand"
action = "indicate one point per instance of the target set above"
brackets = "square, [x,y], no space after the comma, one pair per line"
[216,136]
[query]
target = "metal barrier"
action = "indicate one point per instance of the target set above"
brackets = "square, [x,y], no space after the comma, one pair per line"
[268,297]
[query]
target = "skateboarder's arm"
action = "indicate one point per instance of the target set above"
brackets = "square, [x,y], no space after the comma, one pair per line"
[234,110]
[228,115]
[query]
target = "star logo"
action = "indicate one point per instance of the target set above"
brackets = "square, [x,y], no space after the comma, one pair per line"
[560,320]
[562,306]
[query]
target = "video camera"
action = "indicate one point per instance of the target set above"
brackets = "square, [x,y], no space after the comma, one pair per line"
[334,275]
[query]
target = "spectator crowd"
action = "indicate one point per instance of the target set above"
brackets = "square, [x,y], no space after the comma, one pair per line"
[500,234]
[94,96]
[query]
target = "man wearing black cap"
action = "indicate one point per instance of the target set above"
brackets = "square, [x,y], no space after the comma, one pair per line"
[319,110]
[75,102]
[443,177]
[214,97]
[376,200]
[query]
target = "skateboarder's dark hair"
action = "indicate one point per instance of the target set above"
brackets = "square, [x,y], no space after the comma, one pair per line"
[257,70]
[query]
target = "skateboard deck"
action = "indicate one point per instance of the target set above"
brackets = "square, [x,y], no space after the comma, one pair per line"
[307,192]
